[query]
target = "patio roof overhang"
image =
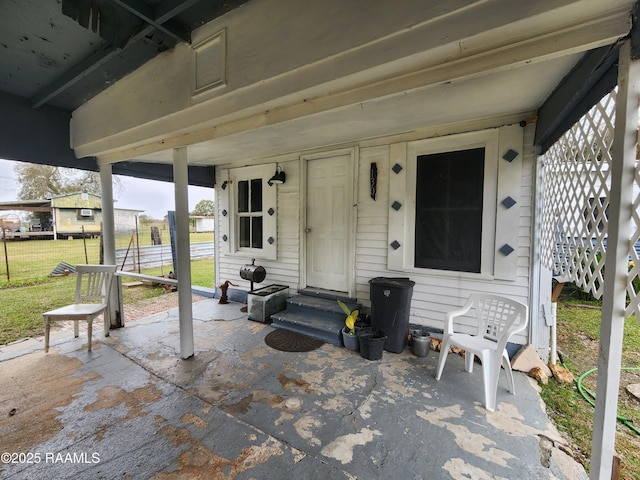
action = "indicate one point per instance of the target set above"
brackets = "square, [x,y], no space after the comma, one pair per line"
[52,71]
[571,67]
[27,205]
[57,55]
[591,79]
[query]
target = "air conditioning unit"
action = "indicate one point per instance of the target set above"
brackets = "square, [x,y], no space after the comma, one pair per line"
[86,212]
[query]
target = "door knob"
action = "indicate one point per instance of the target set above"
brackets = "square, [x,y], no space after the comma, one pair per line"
[307,230]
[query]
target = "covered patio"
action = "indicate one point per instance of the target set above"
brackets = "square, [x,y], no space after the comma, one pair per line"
[241,409]
[252,91]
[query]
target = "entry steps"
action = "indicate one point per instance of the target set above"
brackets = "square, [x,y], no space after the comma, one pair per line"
[315,313]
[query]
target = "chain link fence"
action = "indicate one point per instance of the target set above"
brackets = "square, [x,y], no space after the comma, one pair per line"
[28,256]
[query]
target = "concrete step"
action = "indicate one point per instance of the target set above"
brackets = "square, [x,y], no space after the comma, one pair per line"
[315,316]
[314,326]
[328,294]
[319,306]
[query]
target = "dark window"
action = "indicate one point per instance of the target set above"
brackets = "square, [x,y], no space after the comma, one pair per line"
[245,232]
[449,189]
[243,196]
[250,213]
[256,232]
[256,195]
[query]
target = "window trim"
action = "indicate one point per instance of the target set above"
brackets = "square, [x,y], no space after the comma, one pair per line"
[487,139]
[250,213]
[269,222]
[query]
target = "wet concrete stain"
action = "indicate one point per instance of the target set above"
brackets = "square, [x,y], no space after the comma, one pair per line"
[198,462]
[190,418]
[295,384]
[135,401]
[37,391]
[285,417]
[262,396]
[224,375]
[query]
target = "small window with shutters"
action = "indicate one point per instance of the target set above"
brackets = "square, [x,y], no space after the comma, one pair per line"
[247,212]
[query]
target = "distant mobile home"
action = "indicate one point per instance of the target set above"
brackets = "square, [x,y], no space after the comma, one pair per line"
[72,215]
[76,213]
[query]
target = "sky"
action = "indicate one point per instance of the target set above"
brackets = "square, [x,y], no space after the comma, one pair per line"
[155,198]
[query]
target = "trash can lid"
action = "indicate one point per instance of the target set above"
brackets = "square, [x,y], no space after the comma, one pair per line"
[392,282]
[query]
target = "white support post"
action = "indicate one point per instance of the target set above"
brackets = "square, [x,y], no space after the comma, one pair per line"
[183,267]
[55,225]
[554,334]
[108,218]
[109,239]
[613,305]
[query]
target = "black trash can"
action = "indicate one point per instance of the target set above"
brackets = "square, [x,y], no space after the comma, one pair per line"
[390,304]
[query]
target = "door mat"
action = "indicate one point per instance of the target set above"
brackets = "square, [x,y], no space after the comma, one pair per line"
[287,341]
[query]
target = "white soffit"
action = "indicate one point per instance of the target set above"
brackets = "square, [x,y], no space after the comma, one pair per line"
[507,92]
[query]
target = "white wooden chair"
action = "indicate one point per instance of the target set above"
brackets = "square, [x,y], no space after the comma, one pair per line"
[498,318]
[93,286]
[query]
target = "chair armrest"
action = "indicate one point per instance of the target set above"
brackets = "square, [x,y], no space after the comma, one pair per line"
[455,313]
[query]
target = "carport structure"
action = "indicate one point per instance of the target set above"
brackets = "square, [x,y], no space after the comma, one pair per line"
[175,89]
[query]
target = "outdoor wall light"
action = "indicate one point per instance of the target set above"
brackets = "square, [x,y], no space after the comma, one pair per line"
[278,178]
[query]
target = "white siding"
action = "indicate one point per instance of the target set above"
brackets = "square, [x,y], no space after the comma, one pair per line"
[435,293]
[373,216]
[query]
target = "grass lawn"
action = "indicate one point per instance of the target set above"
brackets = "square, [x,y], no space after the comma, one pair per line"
[28,260]
[21,305]
[578,334]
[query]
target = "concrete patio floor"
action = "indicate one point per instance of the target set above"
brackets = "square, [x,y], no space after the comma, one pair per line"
[132,409]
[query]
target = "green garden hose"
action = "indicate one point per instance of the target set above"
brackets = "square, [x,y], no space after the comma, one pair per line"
[589,396]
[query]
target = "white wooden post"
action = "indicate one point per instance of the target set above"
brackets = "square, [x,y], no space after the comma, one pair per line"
[109,240]
[613,305]
[183,264]
[55,224]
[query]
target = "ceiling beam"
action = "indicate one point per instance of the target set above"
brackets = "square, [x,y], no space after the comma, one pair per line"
[170,8]
[199,176]
[74,75]
[143,11]
[85,67]
[161,15]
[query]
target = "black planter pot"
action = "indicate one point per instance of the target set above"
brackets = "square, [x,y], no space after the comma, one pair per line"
[371,343]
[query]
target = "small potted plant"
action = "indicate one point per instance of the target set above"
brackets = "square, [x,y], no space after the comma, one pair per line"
[349,337]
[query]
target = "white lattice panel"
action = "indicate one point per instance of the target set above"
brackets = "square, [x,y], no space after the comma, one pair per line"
[633,280]
[576,200]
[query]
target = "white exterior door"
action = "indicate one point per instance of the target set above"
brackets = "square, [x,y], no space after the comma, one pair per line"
[328,221]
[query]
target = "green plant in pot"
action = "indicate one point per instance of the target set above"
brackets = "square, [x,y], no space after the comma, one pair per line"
[349,337]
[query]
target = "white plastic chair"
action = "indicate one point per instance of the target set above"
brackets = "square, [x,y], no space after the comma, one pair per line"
[498,318]
[93,286]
